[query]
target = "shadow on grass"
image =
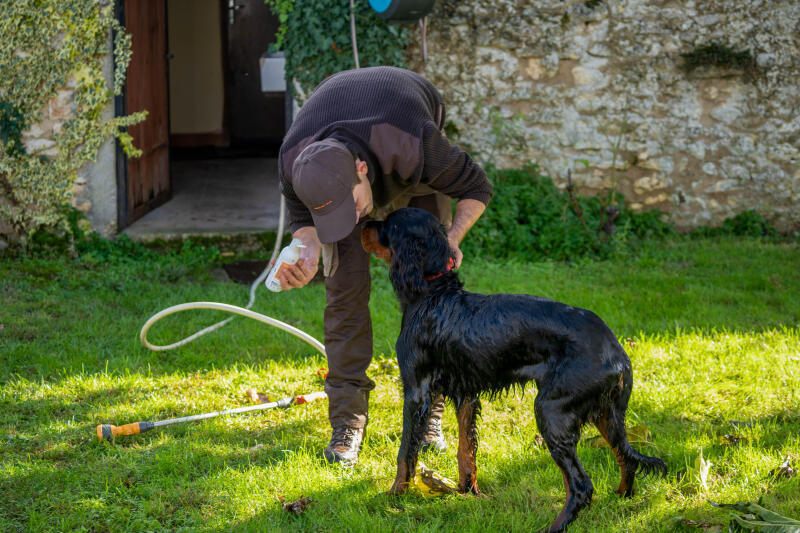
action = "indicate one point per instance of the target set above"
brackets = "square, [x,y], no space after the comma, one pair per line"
[163,479]
[71,479]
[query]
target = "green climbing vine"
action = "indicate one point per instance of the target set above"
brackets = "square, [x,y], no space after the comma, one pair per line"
[315,37]
[52,54]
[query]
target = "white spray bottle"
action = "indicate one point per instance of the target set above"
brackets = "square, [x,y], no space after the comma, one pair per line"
[288,256]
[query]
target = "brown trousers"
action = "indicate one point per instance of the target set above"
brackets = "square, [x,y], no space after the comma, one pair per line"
[348,327]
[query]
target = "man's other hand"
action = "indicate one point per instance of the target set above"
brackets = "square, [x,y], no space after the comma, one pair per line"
[301,273]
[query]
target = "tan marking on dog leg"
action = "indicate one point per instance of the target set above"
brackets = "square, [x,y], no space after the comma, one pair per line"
[402,479]
[602,427]
[467,447]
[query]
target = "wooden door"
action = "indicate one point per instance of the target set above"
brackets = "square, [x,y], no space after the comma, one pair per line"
[148,183]
[254,117]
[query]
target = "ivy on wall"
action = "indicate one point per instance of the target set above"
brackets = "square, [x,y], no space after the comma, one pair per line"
[315,38]
[49,49]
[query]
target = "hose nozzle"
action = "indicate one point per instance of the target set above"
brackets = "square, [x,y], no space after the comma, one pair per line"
[110,432]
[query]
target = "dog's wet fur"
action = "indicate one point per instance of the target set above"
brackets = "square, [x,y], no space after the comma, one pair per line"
[464,345]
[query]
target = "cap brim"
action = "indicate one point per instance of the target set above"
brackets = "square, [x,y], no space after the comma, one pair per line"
[338,224]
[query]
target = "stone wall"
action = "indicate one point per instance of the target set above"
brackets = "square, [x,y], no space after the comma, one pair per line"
[597,88]
[95,189]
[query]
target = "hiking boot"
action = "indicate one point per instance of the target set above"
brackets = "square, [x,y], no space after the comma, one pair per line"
[434,439]
[345,445]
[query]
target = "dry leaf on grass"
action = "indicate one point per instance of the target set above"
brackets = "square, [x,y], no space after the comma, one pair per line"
[702,524]
[258,397]
[431,483]
[298,506]
[785,470]
[732,440]
[752,517]
[699,471]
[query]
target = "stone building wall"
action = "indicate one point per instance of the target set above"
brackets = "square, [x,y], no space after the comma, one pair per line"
[95,189]
[597,88]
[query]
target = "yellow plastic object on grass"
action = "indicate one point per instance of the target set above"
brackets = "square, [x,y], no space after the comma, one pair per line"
[429,483]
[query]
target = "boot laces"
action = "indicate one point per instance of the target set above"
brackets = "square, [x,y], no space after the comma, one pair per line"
[434,428]
[343,436]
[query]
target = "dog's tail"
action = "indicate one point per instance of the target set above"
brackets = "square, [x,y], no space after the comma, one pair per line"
[612,427]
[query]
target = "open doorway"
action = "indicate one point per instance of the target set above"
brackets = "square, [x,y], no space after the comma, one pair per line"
[211,138]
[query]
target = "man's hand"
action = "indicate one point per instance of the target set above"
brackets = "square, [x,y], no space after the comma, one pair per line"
[467,213]
[456,250]
[298,275]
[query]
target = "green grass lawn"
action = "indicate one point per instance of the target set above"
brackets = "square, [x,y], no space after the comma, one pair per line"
[711,326]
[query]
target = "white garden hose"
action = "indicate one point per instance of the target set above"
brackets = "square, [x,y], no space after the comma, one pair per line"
[232,308]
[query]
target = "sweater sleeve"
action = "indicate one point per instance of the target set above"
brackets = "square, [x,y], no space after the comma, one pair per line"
[298,214]
[450,170]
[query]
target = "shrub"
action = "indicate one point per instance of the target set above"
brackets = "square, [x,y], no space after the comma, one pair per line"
[530,219]
[315,36]
[745,224]
[92,251]
[47,46]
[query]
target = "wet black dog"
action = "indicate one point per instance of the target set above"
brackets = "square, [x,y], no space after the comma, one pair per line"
[462,344]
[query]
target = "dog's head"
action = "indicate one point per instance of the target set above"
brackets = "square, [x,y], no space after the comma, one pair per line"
[414,244]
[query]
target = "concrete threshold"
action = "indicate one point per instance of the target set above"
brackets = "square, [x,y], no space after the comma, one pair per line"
[215,197]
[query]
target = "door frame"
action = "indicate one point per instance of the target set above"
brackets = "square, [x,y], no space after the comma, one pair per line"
[220,139]
[124,213]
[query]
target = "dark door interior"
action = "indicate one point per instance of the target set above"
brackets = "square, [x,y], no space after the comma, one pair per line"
[146,179]
[253,117]
[240,120]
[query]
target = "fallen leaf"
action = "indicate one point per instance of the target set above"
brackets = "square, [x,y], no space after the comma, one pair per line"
[785,470]
[752,517]
[298,506]
[703,524]
[732,440]
[430,483]
[256,396]
[700,470]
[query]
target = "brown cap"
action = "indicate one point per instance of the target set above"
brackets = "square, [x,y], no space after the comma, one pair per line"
[322,177]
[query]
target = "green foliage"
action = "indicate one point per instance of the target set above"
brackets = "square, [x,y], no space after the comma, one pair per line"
[53,50]
[315,36]
[12,123]
[92,250]
[530,219]
[745,224]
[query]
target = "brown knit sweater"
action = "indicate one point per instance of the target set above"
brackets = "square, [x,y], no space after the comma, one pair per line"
[390,118]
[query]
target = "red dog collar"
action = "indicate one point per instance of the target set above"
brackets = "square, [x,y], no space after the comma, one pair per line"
[450,266]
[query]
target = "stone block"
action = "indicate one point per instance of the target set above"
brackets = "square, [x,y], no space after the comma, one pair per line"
[61,106]
[37,145]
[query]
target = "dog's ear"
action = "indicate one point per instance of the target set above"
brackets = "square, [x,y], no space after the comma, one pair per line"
[406,272]
[371,243]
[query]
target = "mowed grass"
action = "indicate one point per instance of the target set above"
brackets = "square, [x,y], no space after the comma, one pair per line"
[711,326]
